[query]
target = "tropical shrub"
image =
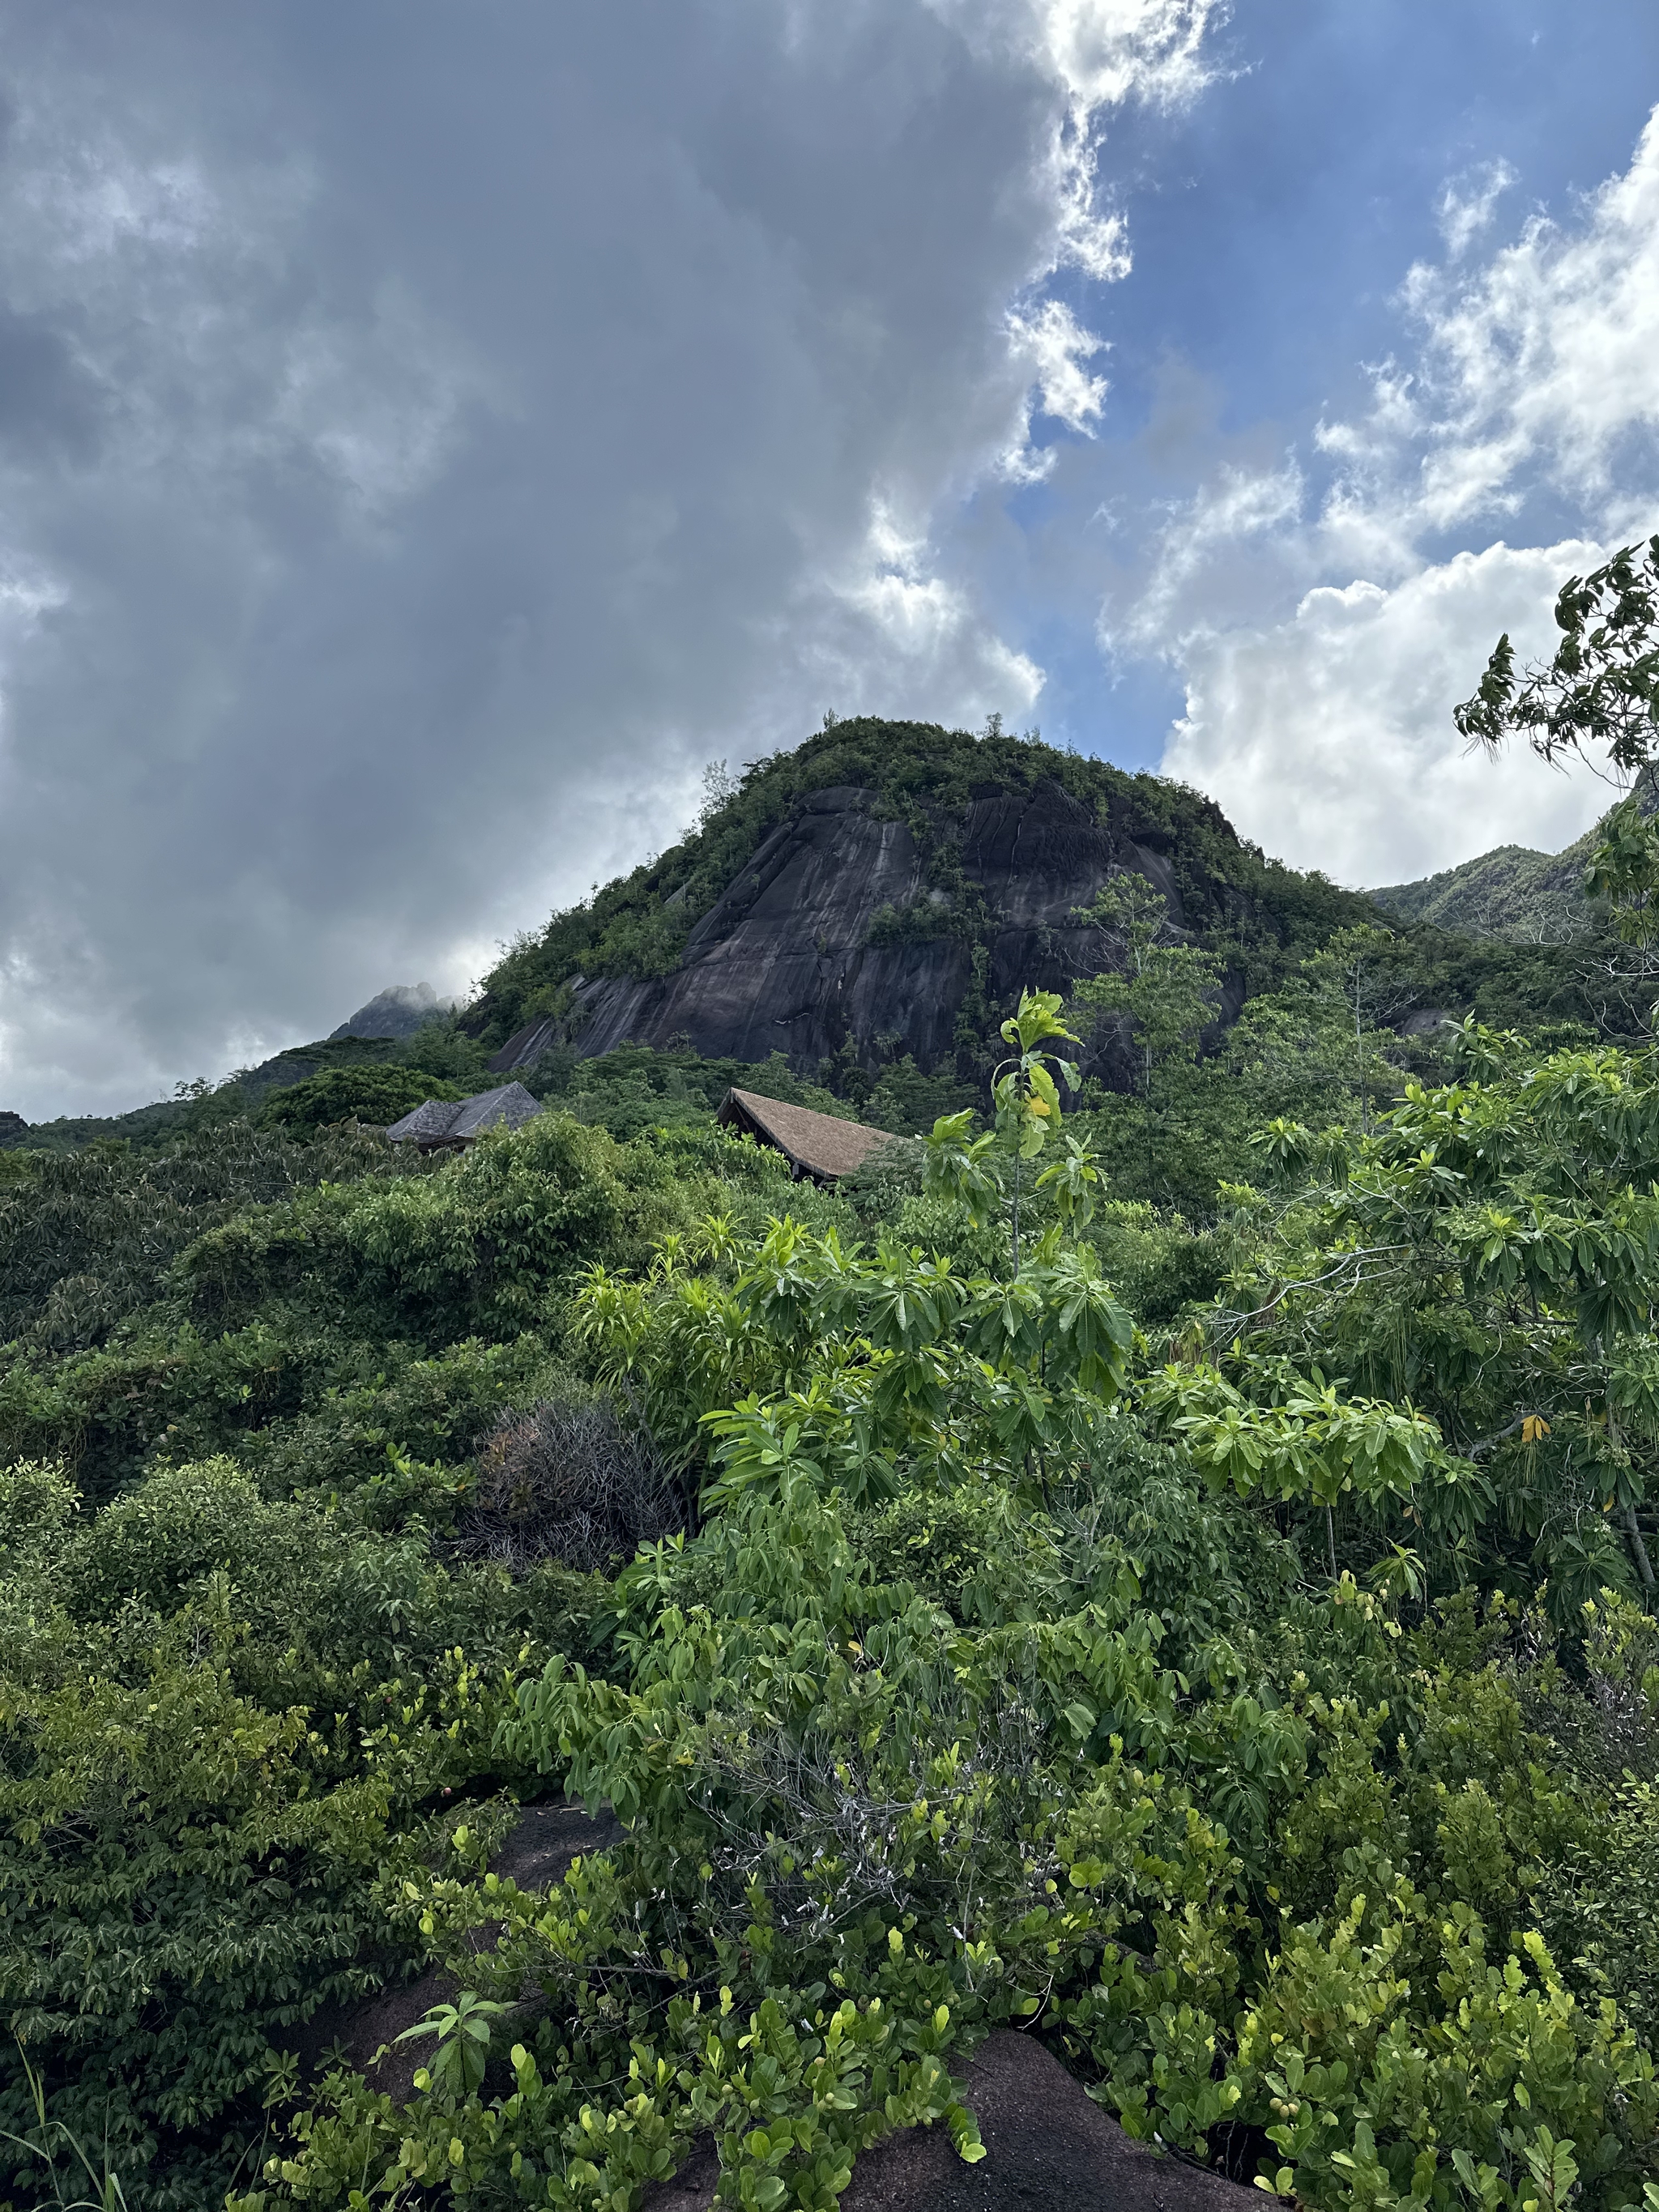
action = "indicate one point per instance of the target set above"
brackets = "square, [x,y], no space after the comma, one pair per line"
[374,1095]
[1214,1652]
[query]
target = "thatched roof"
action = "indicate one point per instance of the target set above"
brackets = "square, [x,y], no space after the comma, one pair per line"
[817,1144]
[445,1123]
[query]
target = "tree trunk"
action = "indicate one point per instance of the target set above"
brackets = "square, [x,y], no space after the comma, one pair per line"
[1639,1549]
[1644,1568]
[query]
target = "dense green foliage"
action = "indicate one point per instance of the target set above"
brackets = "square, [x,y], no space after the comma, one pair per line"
[1169,1571]
[1511,893]
[635,1089]
[247,1656]
[378,1095]
[989,1691]
[1226,1696]
[1599,693]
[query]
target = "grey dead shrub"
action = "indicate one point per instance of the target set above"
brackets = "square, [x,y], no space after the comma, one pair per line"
[568,1482]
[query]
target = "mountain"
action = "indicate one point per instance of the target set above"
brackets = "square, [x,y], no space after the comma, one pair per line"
[397,1011]
[882,890]
[875,898]
[1512,893]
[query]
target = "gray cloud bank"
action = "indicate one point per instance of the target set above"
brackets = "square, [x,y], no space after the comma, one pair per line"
[429,432]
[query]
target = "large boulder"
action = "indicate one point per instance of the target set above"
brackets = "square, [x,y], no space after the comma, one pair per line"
[1048,2148]
[791,955]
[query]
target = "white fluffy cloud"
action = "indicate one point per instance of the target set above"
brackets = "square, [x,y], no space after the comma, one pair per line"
[1058,346]
[1548,359]
[1468,203]
[1325,643]
[1332,725]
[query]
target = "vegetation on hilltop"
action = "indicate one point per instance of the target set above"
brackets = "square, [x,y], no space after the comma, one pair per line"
[925,776]
[1510,892]
[1517,894]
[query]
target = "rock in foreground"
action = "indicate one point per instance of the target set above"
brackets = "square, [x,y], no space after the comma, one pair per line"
[1048,2148]
[537,1853]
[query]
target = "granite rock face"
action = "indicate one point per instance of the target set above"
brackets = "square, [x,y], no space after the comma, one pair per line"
[784,960]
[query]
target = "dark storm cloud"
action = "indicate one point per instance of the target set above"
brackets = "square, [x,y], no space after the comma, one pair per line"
[47,399]
[430,429]
[427,433]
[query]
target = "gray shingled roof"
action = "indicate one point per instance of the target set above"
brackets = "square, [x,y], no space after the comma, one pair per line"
[458,1121]
[821,1145]
[429,1121]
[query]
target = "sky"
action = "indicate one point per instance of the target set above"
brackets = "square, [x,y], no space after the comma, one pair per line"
[432,430]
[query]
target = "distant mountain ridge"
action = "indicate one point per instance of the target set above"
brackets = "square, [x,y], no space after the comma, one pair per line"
[397,1012]
[1511,893]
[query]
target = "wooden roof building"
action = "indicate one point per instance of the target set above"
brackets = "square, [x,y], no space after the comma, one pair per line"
[818,1145]
[448,1125]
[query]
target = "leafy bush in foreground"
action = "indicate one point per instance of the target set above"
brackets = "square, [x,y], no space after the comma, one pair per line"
[1180,1646]
[1287,1876]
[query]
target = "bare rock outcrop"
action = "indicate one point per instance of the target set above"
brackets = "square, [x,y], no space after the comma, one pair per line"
[537,1853]
[794,957]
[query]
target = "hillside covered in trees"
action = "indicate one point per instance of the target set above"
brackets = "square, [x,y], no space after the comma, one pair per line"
[1160,1561]
[1514,893]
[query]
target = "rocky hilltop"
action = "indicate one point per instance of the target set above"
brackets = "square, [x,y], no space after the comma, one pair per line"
[833,930]
[397,1012]
[888,888]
